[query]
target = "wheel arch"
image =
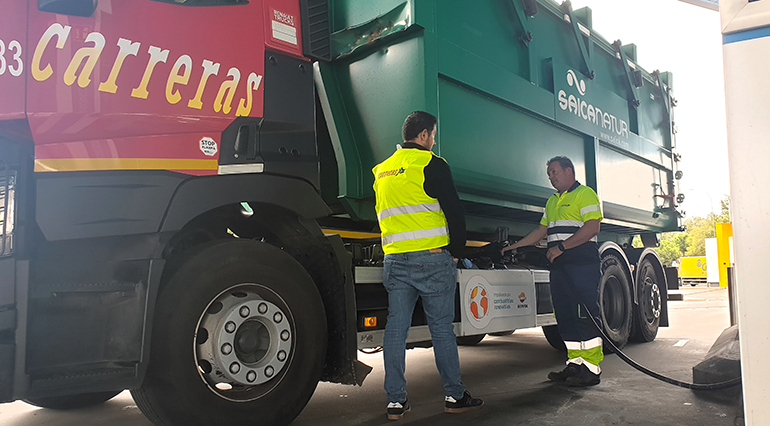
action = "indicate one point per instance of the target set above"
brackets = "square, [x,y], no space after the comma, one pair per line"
[295,195]
[609,247]
[284,215]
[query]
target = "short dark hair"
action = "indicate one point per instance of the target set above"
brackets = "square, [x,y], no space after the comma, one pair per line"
[416,122]
[564,162]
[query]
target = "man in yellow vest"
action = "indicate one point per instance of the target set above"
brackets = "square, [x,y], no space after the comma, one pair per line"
[423,227]
[571,221]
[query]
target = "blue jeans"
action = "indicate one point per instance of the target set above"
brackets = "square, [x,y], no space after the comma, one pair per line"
[433,277]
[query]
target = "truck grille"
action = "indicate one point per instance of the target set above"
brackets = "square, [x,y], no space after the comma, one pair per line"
[7,208]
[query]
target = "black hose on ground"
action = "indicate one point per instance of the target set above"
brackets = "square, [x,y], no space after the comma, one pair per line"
[694,386]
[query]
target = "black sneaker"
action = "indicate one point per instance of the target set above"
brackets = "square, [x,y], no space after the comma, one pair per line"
[466,403]
[396,410]
[561,376]
[584,377]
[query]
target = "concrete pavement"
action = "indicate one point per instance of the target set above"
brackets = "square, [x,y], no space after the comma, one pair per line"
[509,373]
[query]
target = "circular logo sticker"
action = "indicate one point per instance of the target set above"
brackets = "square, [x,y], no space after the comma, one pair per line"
[208,146]
[477,302]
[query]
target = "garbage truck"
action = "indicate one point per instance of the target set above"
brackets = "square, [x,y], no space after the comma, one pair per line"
[186,197]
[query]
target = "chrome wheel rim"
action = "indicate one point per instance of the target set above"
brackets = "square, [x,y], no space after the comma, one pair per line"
[244,342]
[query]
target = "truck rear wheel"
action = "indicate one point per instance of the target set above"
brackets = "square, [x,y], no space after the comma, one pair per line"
[239,337]
[615,300]
[647,313]
[71,402]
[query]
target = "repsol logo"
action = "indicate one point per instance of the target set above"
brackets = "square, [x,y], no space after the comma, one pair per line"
[588,112]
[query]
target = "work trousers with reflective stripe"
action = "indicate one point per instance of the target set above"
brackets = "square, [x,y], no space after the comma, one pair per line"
[575,327]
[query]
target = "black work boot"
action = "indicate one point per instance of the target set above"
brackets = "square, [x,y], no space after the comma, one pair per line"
[396,410]
[561,376]
[466,403]
[584,377]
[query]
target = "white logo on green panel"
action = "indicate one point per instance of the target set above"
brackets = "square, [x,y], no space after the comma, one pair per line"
[584,109]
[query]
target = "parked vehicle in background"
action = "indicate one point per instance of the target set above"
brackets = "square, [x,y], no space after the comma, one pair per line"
[692,270]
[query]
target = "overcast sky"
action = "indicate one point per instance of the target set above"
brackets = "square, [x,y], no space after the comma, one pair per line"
[674,36]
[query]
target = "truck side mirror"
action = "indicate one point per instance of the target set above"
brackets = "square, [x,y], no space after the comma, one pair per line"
[68,7]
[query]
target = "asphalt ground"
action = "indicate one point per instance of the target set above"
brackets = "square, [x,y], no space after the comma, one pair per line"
[509,373]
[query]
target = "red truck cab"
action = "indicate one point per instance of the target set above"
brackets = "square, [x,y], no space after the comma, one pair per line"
[130,131]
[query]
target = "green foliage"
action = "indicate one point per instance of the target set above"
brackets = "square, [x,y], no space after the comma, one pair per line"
[668,252]
[692,242]
[680,240]
[700,228]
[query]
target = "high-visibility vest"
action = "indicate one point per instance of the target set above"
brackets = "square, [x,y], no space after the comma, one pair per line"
[566,213]
[410,220]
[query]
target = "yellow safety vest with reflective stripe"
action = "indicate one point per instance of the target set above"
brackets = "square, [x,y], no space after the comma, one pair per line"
[410,220]
[566,213]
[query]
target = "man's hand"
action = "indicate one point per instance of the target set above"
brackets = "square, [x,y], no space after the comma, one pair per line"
[508,248]
[553,253]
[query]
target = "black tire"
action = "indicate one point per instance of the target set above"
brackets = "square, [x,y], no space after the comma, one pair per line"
[71,402]
[198,308]
[615,300]
[647,313]
[470,340]
[551,333]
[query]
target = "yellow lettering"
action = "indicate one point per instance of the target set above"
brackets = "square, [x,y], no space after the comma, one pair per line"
[156,55]
[92,53]
[252,84]
[209,69]
[228,87]
[126,48]
[173,96]
[62,33]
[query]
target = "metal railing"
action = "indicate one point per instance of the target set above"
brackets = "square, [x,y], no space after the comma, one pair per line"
[7,208]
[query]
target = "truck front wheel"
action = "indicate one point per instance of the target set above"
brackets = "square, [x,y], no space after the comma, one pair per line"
[239,337]
[71,402]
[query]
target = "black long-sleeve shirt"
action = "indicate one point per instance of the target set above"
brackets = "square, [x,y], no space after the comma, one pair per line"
[440,185]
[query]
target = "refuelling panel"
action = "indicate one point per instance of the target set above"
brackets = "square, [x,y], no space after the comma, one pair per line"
[496,300]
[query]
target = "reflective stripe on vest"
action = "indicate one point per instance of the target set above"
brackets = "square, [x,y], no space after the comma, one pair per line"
[433,207]
[410,220]
[415,235]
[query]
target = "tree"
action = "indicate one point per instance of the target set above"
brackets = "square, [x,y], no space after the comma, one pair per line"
[691,242]
[679,239]
[673,245]
[668,252]
[699,228]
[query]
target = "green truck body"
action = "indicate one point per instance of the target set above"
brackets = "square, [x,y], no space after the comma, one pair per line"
[510,91]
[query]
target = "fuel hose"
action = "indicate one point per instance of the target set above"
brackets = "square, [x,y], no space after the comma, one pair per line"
[694,386]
